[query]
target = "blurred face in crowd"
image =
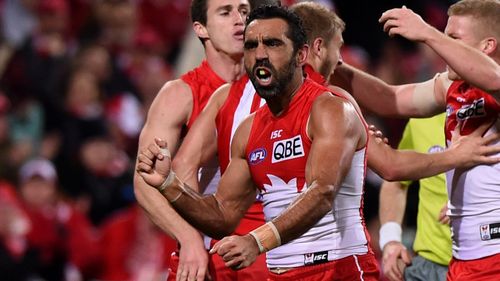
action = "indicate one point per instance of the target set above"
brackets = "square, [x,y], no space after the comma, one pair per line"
[270,59]
[38,192]
[225,25]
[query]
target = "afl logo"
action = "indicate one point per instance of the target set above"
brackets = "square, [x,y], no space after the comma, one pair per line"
[257,156]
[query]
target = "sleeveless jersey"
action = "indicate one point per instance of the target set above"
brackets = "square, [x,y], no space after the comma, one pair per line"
[277,152]
[474,194]
[240,102]
[203,82]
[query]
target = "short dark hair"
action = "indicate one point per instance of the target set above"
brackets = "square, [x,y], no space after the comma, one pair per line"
[254,4]
[295,31]
[199,8]
[199,11]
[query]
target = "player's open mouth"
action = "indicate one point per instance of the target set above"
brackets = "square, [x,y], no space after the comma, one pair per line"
[264,75]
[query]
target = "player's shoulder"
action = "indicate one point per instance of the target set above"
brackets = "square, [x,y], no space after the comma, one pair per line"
[219,97]
[175,86]
[175,89]
[333,100]
[174,94]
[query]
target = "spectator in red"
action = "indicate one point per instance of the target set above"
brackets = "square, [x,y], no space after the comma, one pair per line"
[133,248]
[65,242]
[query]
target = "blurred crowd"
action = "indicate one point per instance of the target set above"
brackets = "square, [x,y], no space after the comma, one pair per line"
[76,79]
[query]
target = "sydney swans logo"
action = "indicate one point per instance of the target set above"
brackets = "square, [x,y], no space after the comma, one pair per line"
[279,185]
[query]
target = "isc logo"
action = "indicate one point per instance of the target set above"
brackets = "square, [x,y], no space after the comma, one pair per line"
[287,149]
[257,156]
[315,258]
[476,109]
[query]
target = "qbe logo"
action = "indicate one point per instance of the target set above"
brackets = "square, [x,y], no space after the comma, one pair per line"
[474,110]
[287,149]
[257,156]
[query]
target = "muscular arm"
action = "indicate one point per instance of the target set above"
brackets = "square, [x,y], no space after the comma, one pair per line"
[465,152]
[200,144]
[329,160]
[168,113]
[411,100]
[218,215]
[392,164]
[480,70]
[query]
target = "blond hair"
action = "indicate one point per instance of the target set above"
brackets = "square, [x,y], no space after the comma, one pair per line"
[318,21]
[486,12]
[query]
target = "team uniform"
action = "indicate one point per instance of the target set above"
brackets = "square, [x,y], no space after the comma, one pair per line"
[337,247]
[432,241]
[203,82]
[240,102]
[474,194]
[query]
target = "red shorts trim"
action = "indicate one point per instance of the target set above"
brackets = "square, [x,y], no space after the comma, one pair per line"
[351,268]
[487,268]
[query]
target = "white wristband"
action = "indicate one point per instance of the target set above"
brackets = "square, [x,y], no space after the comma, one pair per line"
[168,181]
[390,231]
[261,248]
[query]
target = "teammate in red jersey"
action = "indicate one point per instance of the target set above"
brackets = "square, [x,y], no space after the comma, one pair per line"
[219,24]
[469,92]
[357,221]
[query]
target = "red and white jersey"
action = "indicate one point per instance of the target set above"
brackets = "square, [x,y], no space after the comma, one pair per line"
[474,194]
[277,151]
[240,102]
[203,82]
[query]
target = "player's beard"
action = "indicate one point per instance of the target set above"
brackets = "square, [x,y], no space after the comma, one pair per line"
[280,78]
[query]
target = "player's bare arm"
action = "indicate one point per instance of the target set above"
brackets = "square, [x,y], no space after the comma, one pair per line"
[168,113]
[423,99]
[465,152]
[480,70]
[165,119]
[216,215]
[200,144]
[391,210]
[332,150]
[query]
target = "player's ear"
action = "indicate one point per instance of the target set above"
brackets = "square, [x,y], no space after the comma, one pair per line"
[302,54]
[489,45]
[200,30]
[316,46]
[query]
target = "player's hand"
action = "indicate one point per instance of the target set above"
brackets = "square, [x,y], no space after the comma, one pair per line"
[193,261]
[237,251]
[377,134]
[395,259]
[474,149]
[404,22]
[154,163]
[443,218]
